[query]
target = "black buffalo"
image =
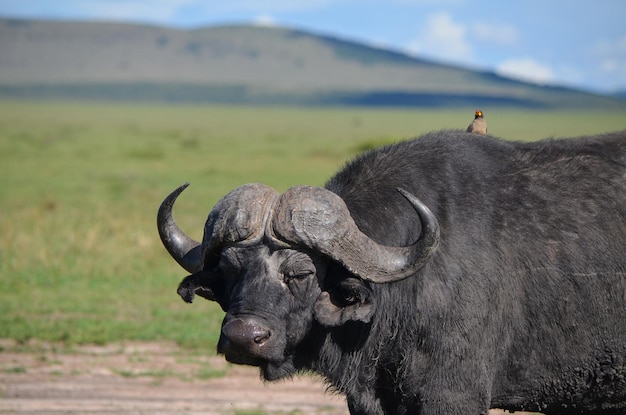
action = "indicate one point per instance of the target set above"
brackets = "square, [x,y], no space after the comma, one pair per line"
[502,286]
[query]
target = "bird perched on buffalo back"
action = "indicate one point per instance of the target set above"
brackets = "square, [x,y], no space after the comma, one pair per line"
[479,125]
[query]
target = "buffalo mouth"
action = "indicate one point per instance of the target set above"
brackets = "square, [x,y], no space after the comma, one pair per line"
[271,368]
[241,359]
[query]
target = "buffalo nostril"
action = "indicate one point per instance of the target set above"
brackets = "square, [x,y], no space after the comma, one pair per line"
[262,338]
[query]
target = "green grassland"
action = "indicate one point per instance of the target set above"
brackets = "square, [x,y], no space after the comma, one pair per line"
[80,183]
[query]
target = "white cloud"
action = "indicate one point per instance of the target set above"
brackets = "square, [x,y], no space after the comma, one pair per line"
[442,38]
[608,65]
[610,55]
[264,20]
[607,61]
[526,69]
[499,34]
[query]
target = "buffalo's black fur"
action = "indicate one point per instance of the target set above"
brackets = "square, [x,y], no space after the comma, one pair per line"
[521,307]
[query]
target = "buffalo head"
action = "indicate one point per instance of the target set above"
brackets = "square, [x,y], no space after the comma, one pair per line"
[266,258]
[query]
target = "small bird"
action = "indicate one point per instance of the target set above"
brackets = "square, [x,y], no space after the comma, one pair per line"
[479,125]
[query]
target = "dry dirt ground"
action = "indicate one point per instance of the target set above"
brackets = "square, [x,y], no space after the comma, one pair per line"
[147,378]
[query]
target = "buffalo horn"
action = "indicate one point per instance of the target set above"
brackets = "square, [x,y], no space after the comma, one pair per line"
[186,251]
[320,220]
[238,218]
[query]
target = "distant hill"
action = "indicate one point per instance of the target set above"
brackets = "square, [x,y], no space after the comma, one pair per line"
[620,95]
[245,64]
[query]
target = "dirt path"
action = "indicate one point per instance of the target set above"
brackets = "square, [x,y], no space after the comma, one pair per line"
[142,378]
[146,378]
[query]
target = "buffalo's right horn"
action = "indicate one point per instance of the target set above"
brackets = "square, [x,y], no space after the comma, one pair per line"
[319,219]
[186,251]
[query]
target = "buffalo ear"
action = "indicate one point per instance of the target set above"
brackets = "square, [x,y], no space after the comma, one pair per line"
[349,300]
[197,283]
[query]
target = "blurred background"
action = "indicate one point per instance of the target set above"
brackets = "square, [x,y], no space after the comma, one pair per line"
[106,106]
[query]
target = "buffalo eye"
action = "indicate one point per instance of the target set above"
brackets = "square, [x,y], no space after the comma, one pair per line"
[351,291]
[298,274]
[349,296]
[298,282]
[295,266]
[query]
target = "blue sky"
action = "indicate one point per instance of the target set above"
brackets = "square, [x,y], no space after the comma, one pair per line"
[566,42]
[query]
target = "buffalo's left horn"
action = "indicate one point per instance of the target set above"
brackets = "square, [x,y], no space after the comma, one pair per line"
[186,251]
[320,220]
